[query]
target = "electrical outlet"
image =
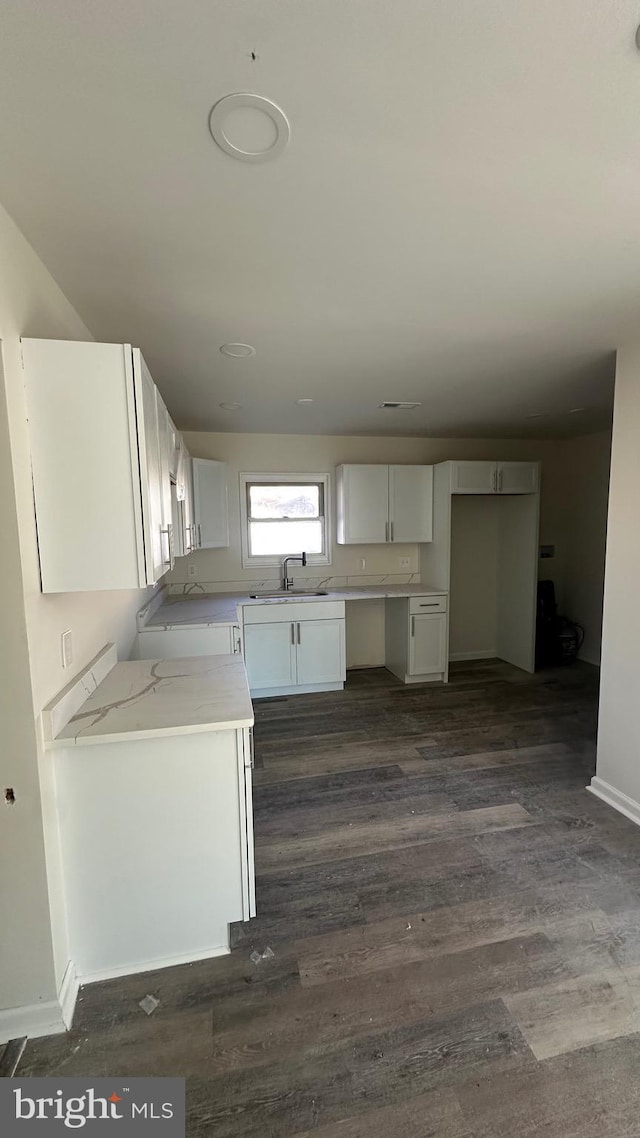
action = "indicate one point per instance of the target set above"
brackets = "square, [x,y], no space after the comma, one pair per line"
[66,647]
[191,570]
[405,562]
[363,562]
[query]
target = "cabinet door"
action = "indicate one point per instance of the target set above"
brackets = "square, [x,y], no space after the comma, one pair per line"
[166,436]
[517,477]
[151,474]
[270,655]
[247,853]
[188,513]
[411,503]
[363,505]
[428,647]
[320,651]
[474,478]
[210,503]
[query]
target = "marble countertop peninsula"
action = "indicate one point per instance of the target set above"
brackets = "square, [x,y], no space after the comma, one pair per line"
[148,698]
[198,610]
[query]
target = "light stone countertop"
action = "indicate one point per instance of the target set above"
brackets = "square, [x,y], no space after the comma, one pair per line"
[200,610]
[141,699]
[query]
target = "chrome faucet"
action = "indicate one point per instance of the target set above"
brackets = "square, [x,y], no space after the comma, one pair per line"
[287,582]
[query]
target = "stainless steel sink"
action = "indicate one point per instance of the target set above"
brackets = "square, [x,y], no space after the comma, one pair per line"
[281,595]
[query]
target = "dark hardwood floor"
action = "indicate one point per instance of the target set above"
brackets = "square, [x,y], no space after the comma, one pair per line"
[454,922]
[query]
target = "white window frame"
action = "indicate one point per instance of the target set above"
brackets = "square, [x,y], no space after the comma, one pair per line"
[282,478]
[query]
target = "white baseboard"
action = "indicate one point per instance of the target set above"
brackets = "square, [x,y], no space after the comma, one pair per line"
[68,994]
[485,654]
[152,965]
[56,1016]
[51,1018]
[620,802]
[32,1020]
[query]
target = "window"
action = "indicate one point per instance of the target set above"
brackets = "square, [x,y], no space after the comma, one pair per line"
[284,514]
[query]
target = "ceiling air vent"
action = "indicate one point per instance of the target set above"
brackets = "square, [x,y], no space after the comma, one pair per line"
[392,406]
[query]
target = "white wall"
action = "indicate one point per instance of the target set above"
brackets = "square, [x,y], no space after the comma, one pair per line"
[31,304]
[618,762]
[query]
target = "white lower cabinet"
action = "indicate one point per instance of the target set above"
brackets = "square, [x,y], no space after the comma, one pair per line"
[417,638]
[270,655]
[156,848]
[168,643]
[292,647]
[427,644]
[320,651]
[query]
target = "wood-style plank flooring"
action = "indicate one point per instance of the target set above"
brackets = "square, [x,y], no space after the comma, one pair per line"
[454,921]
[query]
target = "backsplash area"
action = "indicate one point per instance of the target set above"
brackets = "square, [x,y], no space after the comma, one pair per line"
[268,584]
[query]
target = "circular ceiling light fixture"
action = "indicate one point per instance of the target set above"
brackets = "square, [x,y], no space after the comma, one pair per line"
[237,351]
[249,127]
[303,402]
[231,406]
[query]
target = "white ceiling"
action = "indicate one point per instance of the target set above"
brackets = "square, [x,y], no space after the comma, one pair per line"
[456,219]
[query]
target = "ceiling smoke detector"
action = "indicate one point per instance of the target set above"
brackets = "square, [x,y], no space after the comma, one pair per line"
[389,405]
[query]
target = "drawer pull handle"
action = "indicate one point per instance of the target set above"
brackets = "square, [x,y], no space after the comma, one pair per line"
[431,605]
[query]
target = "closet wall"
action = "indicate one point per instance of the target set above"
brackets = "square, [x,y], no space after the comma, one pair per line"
[485,553]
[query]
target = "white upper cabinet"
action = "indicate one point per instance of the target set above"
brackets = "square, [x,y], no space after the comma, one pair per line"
[518,477]
[410,503]
[494,477]
[363,505]
[211,511]
[473,477]
[101,487]
[182,502]
[153,471]
[378,504]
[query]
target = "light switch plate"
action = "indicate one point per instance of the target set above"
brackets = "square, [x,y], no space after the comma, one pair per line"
[191,570]
[66,646]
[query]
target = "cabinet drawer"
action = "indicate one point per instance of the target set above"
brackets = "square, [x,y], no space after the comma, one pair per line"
[292,611]
[428,604]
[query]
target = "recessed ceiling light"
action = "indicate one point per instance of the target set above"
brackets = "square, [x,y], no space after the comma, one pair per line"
[303,402]
[231,406]
[398,406]
[249,127]
[238,351]
[574,410]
